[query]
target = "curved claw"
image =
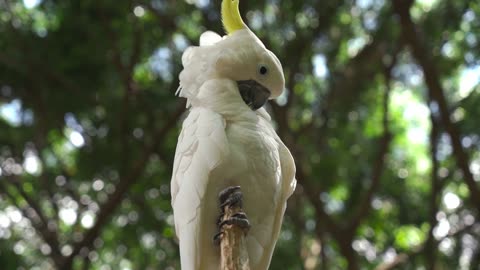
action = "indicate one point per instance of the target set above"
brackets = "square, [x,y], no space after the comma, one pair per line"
[231,196]
[224,194]
[239,219]
[217,238]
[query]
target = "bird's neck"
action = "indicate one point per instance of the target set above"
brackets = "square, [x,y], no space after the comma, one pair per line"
[224,99]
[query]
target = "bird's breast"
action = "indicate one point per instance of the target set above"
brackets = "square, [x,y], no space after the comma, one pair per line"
[253,164]
[253,151]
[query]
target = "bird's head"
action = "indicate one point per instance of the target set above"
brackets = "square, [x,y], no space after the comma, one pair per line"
[243,58]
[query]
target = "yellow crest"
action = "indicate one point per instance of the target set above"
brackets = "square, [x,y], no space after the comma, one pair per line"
[231,18]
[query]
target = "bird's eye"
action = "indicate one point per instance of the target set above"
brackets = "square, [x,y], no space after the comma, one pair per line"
[263,70]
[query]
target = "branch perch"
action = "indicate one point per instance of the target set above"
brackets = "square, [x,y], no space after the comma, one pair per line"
[233,230]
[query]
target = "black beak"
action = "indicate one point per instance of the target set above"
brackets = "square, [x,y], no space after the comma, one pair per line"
[253,94]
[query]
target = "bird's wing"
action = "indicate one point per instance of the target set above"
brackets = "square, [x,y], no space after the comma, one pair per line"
[289,183]
[287,164]
[202,146]
[286,188]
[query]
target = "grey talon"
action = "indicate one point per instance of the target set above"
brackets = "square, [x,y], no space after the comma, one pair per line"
[217,238]
[240,222]
[224,194]
[240,215]
[235,199]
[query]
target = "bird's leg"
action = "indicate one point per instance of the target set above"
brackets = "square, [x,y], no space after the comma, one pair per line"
[231,203]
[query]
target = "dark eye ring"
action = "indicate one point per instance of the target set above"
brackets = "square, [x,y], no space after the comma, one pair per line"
[263,70]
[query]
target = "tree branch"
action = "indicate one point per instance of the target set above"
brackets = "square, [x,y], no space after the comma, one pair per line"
[42,224]
[108,208]
[233,243]
[436,188]
[475,261]
[378,168]
[406,256]
[379,164]
[411,34]
[343,88]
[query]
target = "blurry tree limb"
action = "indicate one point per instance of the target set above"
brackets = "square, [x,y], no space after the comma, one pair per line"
[45,179]
[125,70]
[404,257]
[397,261]
[163,19]
[33,65]
[158,135]
[436,188]
[32,203]
[412,34]
[40,139]
[342,90]
[148,211]
[70,189]
[475,261]
[297,201]
[40,70]
[86,263]
[41,225]
[377,170]
[379,164]
[333,228]
[324,263]
[166,20]
[108,208]
[11,63]
[303,45]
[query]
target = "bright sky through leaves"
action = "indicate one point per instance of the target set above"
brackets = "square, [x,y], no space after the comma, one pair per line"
[469,78]
[31,3]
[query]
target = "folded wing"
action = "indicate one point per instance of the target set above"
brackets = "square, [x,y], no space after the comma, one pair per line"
[202,146]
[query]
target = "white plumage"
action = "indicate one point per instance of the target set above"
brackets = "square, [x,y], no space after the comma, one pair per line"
[223,143]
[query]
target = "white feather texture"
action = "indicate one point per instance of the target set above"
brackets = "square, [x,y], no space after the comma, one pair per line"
[209,38]
[223,143]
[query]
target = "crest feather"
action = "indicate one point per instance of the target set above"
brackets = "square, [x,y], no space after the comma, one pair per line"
[231,18]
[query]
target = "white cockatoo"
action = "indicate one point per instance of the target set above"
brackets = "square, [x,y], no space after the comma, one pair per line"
[228,140]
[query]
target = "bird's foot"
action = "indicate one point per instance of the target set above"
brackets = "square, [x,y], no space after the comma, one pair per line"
[231,196]
[239,219]
[231,200]
[218,238]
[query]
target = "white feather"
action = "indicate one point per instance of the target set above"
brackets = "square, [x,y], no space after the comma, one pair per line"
[209,38]
[223,144]
[198,153]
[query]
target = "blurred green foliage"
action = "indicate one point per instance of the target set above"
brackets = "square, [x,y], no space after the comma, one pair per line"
[89,121]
